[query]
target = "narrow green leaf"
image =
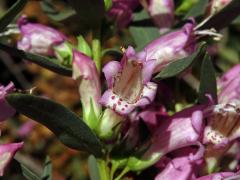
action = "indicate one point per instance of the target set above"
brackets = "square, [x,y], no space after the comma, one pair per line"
[68,127]
[83,46]
[11,14]
[47,171]
[179,66]
[93,168]
[198,9]
[48,63]
[224,17]
[208,83]
[92,9]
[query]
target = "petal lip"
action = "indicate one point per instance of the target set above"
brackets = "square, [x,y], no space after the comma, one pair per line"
[116,103]
[148,95]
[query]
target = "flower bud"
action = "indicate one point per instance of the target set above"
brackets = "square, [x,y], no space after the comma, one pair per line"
[85,72]
[38,38]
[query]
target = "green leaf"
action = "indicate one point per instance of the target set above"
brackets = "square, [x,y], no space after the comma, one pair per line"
[11,13]
[143,35]
[93,168]
[68,127]
[179,66]
[48,63]
[47,171]
[185,6]
[90,12]
[208,83]
[198,9]
[224,17]
[55,14]
[83,46]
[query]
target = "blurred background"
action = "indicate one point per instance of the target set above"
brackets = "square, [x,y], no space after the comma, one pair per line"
[39,141]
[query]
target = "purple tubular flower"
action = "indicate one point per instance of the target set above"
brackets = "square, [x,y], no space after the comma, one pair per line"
[38,38]
[6,110]
[129,83]
[223,125]
[229,85]
[162,12]
[181,130]
[172,46]
[7,151]
[218,176]
[85,72]
[122,11]
[180,167]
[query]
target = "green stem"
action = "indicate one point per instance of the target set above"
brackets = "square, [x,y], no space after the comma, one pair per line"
[124,171]
[113,170]
[103,170]
[96,47]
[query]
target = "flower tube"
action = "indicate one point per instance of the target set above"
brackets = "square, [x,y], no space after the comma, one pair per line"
[85,72]
[172,46]
[38,38]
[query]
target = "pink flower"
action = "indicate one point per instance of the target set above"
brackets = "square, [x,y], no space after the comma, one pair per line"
[38,38]
[183,129]
[85,72]
[181,168]
[129,83]
[162,13]
[172,46]
[7,151]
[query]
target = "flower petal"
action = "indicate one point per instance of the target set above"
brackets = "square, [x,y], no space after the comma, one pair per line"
[220,175]
[7,151]
[110,70]
[180,167]
[172,46]
[148,95]
[114,102]
[148,69]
